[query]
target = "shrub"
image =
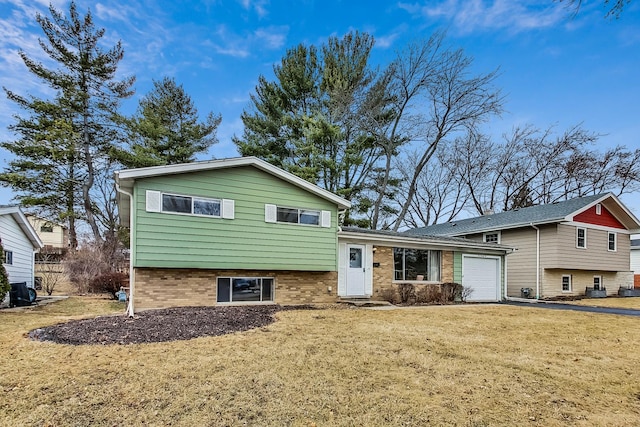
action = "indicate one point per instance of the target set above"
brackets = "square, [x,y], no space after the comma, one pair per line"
[4,277]
[429,294]
[390,294]
[108,283]
[451,291]
[407,292]
[85,264]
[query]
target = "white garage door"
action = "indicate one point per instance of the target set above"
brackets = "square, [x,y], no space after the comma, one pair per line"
[482,274]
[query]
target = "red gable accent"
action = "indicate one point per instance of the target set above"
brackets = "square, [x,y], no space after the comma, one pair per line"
[605,218]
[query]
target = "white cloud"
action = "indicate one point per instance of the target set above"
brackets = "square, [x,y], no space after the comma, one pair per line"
[271,37]
[468,16]
[258,5]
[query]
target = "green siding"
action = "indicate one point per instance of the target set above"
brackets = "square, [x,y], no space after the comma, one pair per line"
[457,267]
[245,242]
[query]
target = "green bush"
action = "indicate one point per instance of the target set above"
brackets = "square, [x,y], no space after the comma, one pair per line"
[4,278]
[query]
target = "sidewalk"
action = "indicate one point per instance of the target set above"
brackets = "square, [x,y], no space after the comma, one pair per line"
[40,301]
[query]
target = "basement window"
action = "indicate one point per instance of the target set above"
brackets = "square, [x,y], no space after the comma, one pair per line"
[245,289]
[566,283]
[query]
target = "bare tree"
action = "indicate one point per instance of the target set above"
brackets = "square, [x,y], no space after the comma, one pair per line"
[455,103]
[533,166]
[50,270]
[441,192]
[614,7]
[408,77]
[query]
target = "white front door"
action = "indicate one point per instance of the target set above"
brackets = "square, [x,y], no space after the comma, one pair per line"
[356,271]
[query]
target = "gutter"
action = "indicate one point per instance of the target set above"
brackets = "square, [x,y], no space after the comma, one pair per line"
[132,281]
[537,260]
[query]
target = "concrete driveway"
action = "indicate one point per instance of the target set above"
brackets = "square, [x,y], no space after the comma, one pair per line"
[574,307]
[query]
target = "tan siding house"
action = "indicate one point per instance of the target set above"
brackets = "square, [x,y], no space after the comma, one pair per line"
[561,249]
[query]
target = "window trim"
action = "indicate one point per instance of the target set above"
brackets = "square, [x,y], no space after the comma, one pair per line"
[578,238]
[404,279]
[261,278]
[271,216]
[568,276]
[615,241]
[154,203]
[193,200]
[8,257]
[491,233]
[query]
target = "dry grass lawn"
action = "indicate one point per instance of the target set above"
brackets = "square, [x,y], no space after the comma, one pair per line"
[476,365]
[628,302]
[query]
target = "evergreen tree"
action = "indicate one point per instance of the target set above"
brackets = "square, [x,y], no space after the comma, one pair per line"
[319,118]
[45,172]
[165,129]
[87,97]
[4,277]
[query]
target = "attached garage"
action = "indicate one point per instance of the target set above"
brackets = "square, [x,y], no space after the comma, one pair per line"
[481,274]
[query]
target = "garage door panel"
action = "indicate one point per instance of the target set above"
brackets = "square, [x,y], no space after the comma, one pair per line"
[481,274]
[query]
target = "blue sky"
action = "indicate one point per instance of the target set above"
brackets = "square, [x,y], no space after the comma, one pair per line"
[555,68]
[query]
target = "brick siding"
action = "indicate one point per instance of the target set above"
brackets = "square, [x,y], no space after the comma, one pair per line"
[162,288]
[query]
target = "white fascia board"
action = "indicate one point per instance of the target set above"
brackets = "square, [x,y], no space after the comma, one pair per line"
[126,177]
[438,244]
[24,224]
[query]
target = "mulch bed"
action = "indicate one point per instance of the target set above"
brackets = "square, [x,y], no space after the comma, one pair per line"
[169,324]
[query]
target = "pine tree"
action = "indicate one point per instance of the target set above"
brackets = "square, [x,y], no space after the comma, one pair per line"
[87,97]
[165,129]
[4,277]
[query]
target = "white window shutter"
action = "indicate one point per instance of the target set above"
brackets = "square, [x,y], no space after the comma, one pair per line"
[228,209]
[325,220]
[154,201]
[270,213]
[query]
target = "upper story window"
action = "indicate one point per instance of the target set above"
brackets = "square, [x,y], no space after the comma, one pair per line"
[493,237]
[8,257]
[298,216]
[47,228]
[416,264]
[581,238]
[612,241]
[189,205]
[289,215]
[598,209]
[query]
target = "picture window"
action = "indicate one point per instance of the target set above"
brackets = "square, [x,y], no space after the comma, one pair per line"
[416,264]
[245,289]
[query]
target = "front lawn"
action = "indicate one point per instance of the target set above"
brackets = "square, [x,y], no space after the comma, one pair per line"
[475,365]
[613,301]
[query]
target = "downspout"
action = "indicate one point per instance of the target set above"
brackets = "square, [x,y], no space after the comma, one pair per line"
[537,260]
[130,310]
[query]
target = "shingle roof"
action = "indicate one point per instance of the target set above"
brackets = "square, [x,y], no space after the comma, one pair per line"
[509,219]
[424,239]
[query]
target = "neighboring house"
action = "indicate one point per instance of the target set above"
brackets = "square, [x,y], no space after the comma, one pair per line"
[52,234]
[20,242]
[560,249]
[635,261]
[244,231]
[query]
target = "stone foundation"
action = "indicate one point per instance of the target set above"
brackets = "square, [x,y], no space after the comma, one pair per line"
[163,288]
